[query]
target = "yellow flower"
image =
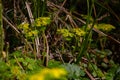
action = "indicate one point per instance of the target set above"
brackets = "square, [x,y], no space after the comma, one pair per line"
[35,32]
[24,26]
[42,21]
[41,75]
[38,23]
[79,32]
[45,71]
[65,33]
[104,27]
[29,34]
[57,72]
[37,77]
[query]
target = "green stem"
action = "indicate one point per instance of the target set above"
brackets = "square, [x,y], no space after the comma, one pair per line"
[84,45]
[1,32]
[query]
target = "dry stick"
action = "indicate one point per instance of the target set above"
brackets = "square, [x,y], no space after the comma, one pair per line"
[47,55]
[89,75]
[103,16]
[15,11]
[14,28]
[29,12]
[71,21]
[11,25]
[18,63]
[32,20]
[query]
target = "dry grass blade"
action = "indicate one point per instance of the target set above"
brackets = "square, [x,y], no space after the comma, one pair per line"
[89,75]
[11,25]
[32,20]
[47,51]
[71,21]
[29,12]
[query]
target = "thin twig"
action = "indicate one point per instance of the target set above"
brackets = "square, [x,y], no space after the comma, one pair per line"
[32,20]
[47,51]
[18,63]
[29,12]
[15,11]
[89,75]
[11,25]
[71,21]
[103,16]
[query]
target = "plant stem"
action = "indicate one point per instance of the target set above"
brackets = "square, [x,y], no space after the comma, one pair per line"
[1,32]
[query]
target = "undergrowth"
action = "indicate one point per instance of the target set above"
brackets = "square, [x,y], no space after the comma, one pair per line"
[56,40]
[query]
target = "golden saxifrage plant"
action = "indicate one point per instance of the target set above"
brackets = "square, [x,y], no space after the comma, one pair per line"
[37,27]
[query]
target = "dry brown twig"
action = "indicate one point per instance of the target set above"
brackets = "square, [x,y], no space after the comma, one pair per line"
[89,75]
[32,20]
[11,25]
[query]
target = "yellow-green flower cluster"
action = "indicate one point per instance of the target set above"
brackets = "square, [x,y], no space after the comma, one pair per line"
[50,74]
[37,26]
[65,33]
[104,27]
[79,32]
[25,27]
[32,33]
[71,33]
[42,21]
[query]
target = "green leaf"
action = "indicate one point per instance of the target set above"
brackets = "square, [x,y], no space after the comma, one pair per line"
[53,63]
[74,71]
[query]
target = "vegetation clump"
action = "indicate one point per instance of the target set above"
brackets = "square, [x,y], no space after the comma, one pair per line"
[59,40]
